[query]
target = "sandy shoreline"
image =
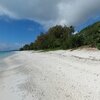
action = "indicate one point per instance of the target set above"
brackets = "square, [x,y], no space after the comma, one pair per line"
[54,75]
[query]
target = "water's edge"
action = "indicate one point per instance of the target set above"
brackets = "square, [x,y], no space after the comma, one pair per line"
[3,55]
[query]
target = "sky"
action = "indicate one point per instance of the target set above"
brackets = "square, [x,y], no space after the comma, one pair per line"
[21,21]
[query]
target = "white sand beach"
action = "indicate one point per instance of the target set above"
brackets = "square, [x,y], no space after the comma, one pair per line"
[53,75]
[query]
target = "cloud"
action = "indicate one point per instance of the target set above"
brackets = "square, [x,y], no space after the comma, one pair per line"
[7,46]
[31,29]
[5,12]
[51,12]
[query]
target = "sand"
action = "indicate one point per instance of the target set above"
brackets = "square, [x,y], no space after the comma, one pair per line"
[54,75]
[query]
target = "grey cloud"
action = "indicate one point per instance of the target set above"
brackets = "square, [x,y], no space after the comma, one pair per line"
[50,12]
[13,46]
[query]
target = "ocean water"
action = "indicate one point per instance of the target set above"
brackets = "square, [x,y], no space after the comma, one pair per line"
[4,54]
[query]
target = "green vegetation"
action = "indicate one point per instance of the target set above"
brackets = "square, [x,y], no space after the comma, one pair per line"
[98,46]
[91,34]
[62,37]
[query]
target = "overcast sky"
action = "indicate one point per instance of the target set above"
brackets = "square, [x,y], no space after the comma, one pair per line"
[50,12]
[18,18]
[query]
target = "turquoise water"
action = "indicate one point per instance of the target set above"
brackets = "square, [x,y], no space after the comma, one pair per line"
[5,53]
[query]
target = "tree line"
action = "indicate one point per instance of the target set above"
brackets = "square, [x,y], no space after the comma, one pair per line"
[62,37]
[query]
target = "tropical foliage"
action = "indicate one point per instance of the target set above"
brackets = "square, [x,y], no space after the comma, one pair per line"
[62,37]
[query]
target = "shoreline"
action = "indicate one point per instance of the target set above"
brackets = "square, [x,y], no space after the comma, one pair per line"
[53,75]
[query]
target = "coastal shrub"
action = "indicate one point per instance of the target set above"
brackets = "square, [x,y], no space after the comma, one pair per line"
[98,46]
[62,37]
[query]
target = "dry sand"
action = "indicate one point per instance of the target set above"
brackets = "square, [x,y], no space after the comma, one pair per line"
[54,75]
